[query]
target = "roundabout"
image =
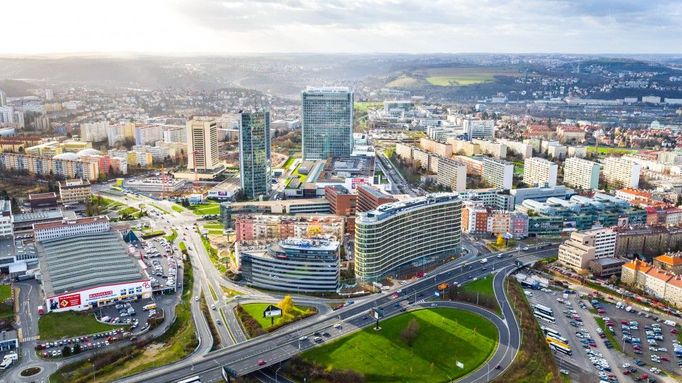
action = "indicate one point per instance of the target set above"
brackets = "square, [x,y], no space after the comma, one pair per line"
[31,371]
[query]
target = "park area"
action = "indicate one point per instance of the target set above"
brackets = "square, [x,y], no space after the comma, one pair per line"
[70,324]
[208,208]
[464,76]
[255,324]
[418,346]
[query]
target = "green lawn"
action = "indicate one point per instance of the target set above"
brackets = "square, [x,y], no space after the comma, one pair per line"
[445,336]
[208,208]
[177,208]
[288,162]
[484,286]
[172,236]
[461,80]
[256,311]
[609,336]
[5,292]
[70,324]
[214,227]
[363,106]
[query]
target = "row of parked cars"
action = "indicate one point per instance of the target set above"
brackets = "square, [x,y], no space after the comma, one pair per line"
[80,344]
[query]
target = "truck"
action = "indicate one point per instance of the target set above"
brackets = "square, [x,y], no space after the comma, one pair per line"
[8,360]
[41,310]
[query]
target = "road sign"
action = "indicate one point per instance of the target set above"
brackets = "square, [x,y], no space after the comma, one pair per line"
[459,364]
[272,311]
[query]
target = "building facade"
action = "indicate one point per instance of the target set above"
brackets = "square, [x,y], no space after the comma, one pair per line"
[70,228]
[327,122]
[370,198]
[539,172]
[202,144]
[74,191]
[407,233]
[498,173]
[581,173]
[621,172]
[254,154]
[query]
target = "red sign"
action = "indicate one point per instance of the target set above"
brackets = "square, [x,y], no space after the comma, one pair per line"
[69,300]
[101,294]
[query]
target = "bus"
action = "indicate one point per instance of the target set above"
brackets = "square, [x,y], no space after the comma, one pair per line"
[151,306]
[545,317]
[559,346]
[543,309]
[194,379]
[550,333]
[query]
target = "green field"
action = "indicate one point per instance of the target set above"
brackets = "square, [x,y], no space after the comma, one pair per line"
[363,106]
[5,292]
[172,236]
[213,227]
[208,208]
[606,150]
[256,312]
[177,208]
[459,80]
[70,324]
[403,81]
[483,286]
[445,337]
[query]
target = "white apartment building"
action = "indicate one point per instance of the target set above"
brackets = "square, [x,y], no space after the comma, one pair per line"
[202,144]
[148,134]
[586,246]
[581,173]
[94,131]
[452,174]
[498,173]
[174,134]
[70,228]
[622,171]
[474,128]
[540,172]
[517,147]
[6,224]
[493,149]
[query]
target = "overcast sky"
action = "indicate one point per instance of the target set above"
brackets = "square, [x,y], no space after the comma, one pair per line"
[410,26]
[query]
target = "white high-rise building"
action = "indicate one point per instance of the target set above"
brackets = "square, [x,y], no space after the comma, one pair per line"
[581,173]
[621,171]
[94,131]
[148,134]
[3,98]
[175,134]
[479,128]
[540,172]
[498,173]
[202,144]
[452,174]
[6,114]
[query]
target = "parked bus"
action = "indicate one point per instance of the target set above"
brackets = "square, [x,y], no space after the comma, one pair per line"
[545,317]
[194,379]
[559,346]
[151,306]
[553,334]
[543,309]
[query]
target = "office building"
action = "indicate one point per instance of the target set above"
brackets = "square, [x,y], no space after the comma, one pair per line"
[583,247]
[202,144]
[498,173]
[452,174]
[46,200]
[370,198]
[3,98]
[484,129]
[327,121]
[75,278]
[621,172]
[582,174]
[539,172]
[74,191]
[70,227]
[406,235]
[541,193]
[254,227]
[254,154]
[297,265]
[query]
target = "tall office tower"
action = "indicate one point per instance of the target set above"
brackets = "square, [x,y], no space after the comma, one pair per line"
[621,172]
[3,98]
[254,153]
[202,144]
[498,173]
[402,235]
[540,172]
[581,173]
[327,115]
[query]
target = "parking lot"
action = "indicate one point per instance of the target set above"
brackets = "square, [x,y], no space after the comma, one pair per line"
[162,263]
[594,357]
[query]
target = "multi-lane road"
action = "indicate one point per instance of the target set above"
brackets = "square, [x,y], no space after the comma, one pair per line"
[282,345]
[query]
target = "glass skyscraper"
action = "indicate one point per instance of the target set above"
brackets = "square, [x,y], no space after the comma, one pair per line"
[327,119]
[254,153]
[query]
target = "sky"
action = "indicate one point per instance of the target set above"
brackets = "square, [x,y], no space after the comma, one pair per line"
[186,27]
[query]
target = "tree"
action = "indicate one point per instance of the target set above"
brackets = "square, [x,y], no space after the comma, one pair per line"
[500,240]
[410,332]
[286,304]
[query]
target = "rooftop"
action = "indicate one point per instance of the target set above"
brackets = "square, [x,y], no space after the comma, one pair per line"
[39,216]
[68,222]
[670,259]
[36,196]
[373,191]
[393,208]
[69,264]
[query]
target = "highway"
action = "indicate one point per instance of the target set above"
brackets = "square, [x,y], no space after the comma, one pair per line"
[281,345]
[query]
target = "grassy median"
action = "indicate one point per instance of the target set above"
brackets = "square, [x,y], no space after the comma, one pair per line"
[442,338]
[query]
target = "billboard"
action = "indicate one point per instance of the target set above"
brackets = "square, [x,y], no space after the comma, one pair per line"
[64,301]
[272,311]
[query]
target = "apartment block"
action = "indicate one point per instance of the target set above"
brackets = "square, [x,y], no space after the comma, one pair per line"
[622,172]
[539,172]
[452,174]
[498,173]
[581,173]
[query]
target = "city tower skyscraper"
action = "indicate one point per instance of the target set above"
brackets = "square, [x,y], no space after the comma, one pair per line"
[202,144]
[254,153]
[327,120]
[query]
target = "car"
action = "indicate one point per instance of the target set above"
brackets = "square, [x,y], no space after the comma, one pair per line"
[261,362]
[212,307]
[563,371]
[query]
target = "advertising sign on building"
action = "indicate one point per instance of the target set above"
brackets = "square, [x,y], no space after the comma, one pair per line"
[64,301]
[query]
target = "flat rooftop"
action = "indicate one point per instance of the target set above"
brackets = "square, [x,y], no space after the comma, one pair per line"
[389,209]
[38,216]
[71,264]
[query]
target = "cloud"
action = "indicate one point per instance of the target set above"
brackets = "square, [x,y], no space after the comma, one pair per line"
[231,26]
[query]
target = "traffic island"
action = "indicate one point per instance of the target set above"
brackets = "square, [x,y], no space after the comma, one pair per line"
[255,321]
[31,371]
[426,345]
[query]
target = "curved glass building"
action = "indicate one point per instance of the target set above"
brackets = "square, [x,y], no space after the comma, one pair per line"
[407,233]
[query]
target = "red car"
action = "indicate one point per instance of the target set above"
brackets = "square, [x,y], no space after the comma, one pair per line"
[665,358]
[674,331]
[261,362]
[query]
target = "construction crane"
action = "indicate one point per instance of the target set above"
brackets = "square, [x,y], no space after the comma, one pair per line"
[195,185]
